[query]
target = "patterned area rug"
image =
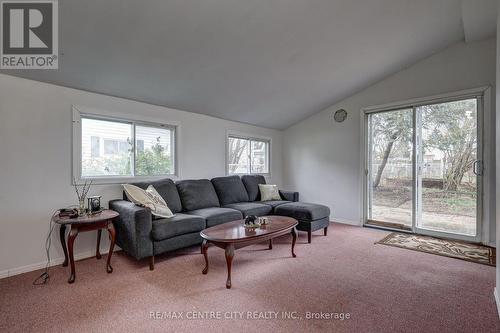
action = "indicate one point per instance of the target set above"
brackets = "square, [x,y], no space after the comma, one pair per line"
[443,247]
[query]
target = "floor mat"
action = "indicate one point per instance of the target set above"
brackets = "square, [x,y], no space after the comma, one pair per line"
[449,248]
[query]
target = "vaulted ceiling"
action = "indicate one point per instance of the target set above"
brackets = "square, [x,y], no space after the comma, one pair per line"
[270,63]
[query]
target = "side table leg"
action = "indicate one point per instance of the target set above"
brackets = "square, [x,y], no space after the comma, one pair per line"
[97,251]
[71,240]
[204,249]
[112,236]
[270,244]
[294,239]
[229,261]
[62,236]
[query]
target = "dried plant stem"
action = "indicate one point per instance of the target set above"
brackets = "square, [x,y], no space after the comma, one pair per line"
[82,193]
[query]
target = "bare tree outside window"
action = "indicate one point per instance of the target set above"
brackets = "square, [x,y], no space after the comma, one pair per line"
[246,156]
[238,155]
[446,185]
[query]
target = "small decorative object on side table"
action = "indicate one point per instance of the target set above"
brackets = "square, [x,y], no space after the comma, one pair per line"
[94,204]
[90,222]
[81,192]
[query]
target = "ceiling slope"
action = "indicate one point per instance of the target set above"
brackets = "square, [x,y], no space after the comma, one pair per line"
[269,63]
[479,19]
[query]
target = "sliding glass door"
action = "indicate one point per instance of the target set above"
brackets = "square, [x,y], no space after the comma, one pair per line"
[424,168]
[391,176]
[448,168]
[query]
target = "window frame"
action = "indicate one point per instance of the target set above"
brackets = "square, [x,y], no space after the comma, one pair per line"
[250,138]
[77,147]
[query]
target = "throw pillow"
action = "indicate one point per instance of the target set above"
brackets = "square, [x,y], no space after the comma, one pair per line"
[149,198]
[269,192]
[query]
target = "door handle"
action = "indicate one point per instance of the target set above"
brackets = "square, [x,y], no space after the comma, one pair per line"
[477,168]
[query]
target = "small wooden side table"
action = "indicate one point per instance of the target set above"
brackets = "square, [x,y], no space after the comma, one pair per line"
[99,221]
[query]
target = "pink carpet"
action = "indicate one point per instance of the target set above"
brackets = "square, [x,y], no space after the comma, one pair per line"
[384,289]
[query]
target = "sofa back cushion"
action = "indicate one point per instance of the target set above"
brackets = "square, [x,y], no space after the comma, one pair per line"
[230,190]
[251,183]
[197,194]
[168,191]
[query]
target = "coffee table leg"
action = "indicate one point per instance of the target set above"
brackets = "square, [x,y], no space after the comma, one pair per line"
[97,252]
[112,236]
[62,236]
[270,244]
[71,240]
[204,248]
[229,261]
[294,238]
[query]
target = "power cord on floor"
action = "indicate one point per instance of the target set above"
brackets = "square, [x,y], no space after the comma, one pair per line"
[45,277]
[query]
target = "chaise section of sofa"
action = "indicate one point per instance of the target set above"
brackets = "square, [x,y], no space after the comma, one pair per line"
[311,216]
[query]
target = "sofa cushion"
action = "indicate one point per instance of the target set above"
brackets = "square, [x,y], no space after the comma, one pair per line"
[217,215]
[197,194]
[149,198]
[251,208]
[230,190]
[269,192]
[275,203]
[251,183]
[303,211]
[168,191]
[178,225]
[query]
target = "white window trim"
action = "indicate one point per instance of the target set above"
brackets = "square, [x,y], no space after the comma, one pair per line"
[247,136]
[78,112]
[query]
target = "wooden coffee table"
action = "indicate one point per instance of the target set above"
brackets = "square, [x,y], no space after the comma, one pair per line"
[233,235]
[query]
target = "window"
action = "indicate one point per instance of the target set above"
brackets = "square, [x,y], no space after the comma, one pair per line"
[247,155]
[112,148]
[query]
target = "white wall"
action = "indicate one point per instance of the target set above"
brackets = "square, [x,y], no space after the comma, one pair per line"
[35,161]
[322,158]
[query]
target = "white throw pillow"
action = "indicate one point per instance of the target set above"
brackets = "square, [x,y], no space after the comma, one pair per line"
[269,192]
[149,198]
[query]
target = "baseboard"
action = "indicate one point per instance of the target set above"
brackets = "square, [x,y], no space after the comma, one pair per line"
[345,221]
[53,262]
[497,300]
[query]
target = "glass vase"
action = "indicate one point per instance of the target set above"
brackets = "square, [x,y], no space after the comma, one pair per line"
[81,207]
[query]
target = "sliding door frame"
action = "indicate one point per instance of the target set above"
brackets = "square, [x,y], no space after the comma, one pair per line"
[483,96]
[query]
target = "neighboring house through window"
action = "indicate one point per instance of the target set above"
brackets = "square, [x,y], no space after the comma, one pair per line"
[95,146]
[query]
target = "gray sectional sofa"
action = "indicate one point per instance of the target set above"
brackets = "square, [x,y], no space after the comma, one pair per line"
[199,204]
